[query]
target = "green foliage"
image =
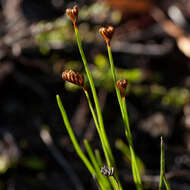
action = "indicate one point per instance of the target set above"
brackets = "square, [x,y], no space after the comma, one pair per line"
[53,34]
[74,65]
[123,108]
[101,62]
[100,127]
[102,74]
[73,138]
[105,74]
[176,97]
[133,75]
[34,163]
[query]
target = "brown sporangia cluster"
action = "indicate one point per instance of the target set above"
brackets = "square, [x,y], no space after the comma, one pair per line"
[73,77]
[106,171]
[122,85]
[73,14]
[107,33]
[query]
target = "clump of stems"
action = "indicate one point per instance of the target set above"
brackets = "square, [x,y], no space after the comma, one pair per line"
[120,87]
[106,176]
[96,113]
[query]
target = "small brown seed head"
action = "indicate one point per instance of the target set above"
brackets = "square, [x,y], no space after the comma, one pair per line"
[106,171]
[73,14]
[73,77]
[107,33]
[122,85]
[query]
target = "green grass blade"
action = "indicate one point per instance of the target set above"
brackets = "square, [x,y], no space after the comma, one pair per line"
[89,75]
[135,168]
[92,110]
[101,178]
[110,160]
[91,156]
[103,141]
[73,138]
[167,185]
[114,78]
[162,163]
[122,104]
[98,157]
[163,179]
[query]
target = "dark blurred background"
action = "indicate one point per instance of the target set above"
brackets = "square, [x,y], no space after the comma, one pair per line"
[151,48]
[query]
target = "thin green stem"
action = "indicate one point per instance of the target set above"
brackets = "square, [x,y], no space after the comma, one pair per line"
[99,131]
[98,157]
[162,163]
[127,153]
[91,156]
[110,159]
[122,104]
[73,138]
[162,166]
[167,185]
[126,122]
[97,125]
[114,78]
[91,109]
[118,187]
[135,168]
[89,75]
[103,180]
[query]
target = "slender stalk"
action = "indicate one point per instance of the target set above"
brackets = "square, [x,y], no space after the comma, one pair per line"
[162,167]
[89,75]
[126,121]
[162,163]
[167,185]
[100,133]
[91,109]
[126,151]
[135,168]
[91,156]
[114,78]
[122,104]
[98,157]
[73,138]
[118,187]
[97,125]
[110,160]
[103,180]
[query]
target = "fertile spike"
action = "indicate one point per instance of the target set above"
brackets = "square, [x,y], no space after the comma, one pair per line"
[73,14]
[107,33]
[122,85]
[73,77]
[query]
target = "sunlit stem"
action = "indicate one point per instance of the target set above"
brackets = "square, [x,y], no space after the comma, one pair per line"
[97,125]
[73,138]
[123,108]
[110,158]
